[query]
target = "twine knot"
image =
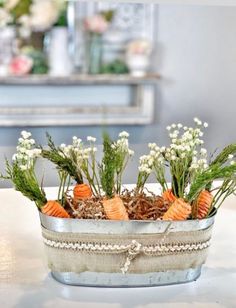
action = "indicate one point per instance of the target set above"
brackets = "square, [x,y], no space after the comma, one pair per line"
[133,250]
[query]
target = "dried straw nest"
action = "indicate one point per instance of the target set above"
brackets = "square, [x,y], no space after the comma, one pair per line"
[142,206]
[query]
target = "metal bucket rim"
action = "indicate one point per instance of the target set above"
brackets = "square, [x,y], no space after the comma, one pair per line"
[125,221]
[122,227]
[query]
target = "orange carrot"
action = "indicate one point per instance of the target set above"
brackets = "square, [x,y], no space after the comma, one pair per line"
[54,208]
[169,196]
[82,191]
[115,209]
[179,210]
[203,203]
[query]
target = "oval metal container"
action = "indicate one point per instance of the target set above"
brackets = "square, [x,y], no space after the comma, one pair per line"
[102,279]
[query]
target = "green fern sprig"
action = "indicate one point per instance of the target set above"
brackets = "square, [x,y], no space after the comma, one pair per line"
[214,172]
[63,163]
[222,158]
[26,182]
[108,167]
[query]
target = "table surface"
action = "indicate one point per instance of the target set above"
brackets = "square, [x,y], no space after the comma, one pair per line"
[25,280]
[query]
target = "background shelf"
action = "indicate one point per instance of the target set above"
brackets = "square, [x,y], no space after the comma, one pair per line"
[79,80]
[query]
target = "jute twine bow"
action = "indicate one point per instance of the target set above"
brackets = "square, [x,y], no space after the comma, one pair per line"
[136,248]
[133,251]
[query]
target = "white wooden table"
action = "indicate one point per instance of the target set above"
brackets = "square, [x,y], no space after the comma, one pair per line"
[26,282]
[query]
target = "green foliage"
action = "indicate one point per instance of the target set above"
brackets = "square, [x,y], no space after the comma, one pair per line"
[115,67]
[227,188]
[222,158]
[214,172]
[108,167]
[22,8]
[63,163]
[108,15]
[40,64]
[62,20]
[26,182]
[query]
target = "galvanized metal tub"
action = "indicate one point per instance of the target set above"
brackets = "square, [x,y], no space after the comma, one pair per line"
[106,253]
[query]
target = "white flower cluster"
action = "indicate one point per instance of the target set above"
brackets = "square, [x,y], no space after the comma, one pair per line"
[122,144]
[44,13]
[79,149]
[156,153]
[184,145]
[155,158]
[199,122]
[41,16]
[26,152]
[5,18]
[231,161]
[199,164]
[146,164]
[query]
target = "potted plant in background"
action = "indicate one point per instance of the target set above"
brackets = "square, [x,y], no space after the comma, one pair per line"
[138,57]
[57,43]
[95,26]
[30,20]
[50,17]
[7,34]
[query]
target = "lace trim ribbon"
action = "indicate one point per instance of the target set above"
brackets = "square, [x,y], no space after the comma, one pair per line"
[133,249]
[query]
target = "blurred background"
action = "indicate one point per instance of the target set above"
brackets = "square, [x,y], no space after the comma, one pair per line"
[78,68]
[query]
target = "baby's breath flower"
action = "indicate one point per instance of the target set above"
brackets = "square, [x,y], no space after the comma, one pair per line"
[145,169]
[232,163]
[25,134]
[194,166]
[205,124]
[197,121]
[152,145]
[131,152]
[230,156]
[168,128]
[23,167]
[203,151]
[37,152]
[91,139]
[123,134]
[187,148]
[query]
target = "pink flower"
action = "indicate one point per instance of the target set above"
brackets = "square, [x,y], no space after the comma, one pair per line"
[139,47]
[96,24]
[20,65]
